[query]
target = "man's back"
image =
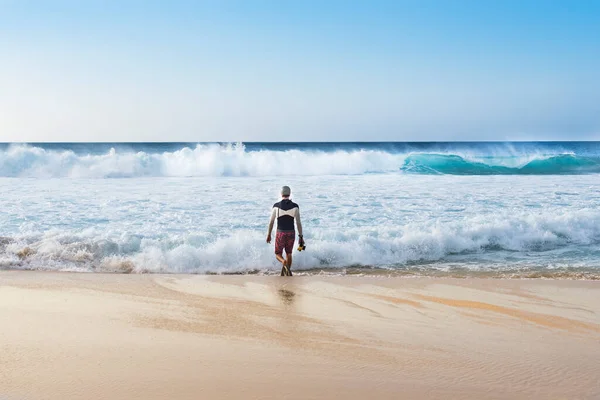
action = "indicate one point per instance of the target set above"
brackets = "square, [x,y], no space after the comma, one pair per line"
[286,211]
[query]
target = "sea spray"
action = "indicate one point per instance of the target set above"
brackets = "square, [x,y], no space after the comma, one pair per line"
[243,250]
[204,208]
[203,160]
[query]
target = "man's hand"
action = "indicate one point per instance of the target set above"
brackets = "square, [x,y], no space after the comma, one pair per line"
[269,238]
[301,241]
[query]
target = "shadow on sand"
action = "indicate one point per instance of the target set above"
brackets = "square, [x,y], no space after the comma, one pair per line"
[286,296]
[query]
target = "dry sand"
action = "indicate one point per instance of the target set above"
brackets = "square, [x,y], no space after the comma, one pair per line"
[96,336]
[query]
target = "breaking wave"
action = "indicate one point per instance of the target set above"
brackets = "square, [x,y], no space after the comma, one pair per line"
[521,245]
[236,160]
[562,164]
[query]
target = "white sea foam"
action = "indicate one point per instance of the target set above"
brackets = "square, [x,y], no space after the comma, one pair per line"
[202,160]
[218,225]
[245,250]
[205,160]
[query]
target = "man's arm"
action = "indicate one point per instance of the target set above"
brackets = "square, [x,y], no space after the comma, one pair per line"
[298,222]
[271,223]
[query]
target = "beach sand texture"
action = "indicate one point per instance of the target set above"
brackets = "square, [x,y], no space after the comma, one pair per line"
[111,336]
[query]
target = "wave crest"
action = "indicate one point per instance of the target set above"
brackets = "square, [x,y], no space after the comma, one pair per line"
[236,160]
[451,164]
[544,240]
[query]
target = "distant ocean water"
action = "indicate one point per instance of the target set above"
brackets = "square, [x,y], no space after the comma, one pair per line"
[526,209]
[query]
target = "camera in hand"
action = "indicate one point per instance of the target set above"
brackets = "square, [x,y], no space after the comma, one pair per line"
[301,244]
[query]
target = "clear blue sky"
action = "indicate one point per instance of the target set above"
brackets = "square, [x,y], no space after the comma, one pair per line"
[299,70]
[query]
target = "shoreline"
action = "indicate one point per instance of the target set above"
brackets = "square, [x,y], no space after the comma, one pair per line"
[588,274]
[154,336]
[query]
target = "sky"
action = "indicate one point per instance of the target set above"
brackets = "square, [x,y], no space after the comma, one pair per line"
[305,70]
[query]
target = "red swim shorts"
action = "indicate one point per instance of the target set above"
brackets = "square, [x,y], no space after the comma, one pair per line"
[284,240]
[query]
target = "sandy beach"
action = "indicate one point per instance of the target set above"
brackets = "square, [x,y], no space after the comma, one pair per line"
[110,336]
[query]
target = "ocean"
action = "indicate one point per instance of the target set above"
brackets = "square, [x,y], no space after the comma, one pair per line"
[515,210]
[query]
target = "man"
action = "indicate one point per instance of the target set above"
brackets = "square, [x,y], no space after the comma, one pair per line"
[286,212]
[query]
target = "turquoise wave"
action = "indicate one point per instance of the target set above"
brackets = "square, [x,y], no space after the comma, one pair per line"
[451,164]
[203,160]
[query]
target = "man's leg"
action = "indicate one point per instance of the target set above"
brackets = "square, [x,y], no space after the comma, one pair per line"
[279,247]
[285,269]
[280,258]
[283,263]
[289,248]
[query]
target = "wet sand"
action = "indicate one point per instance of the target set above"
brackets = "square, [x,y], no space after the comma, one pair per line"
[103,336]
